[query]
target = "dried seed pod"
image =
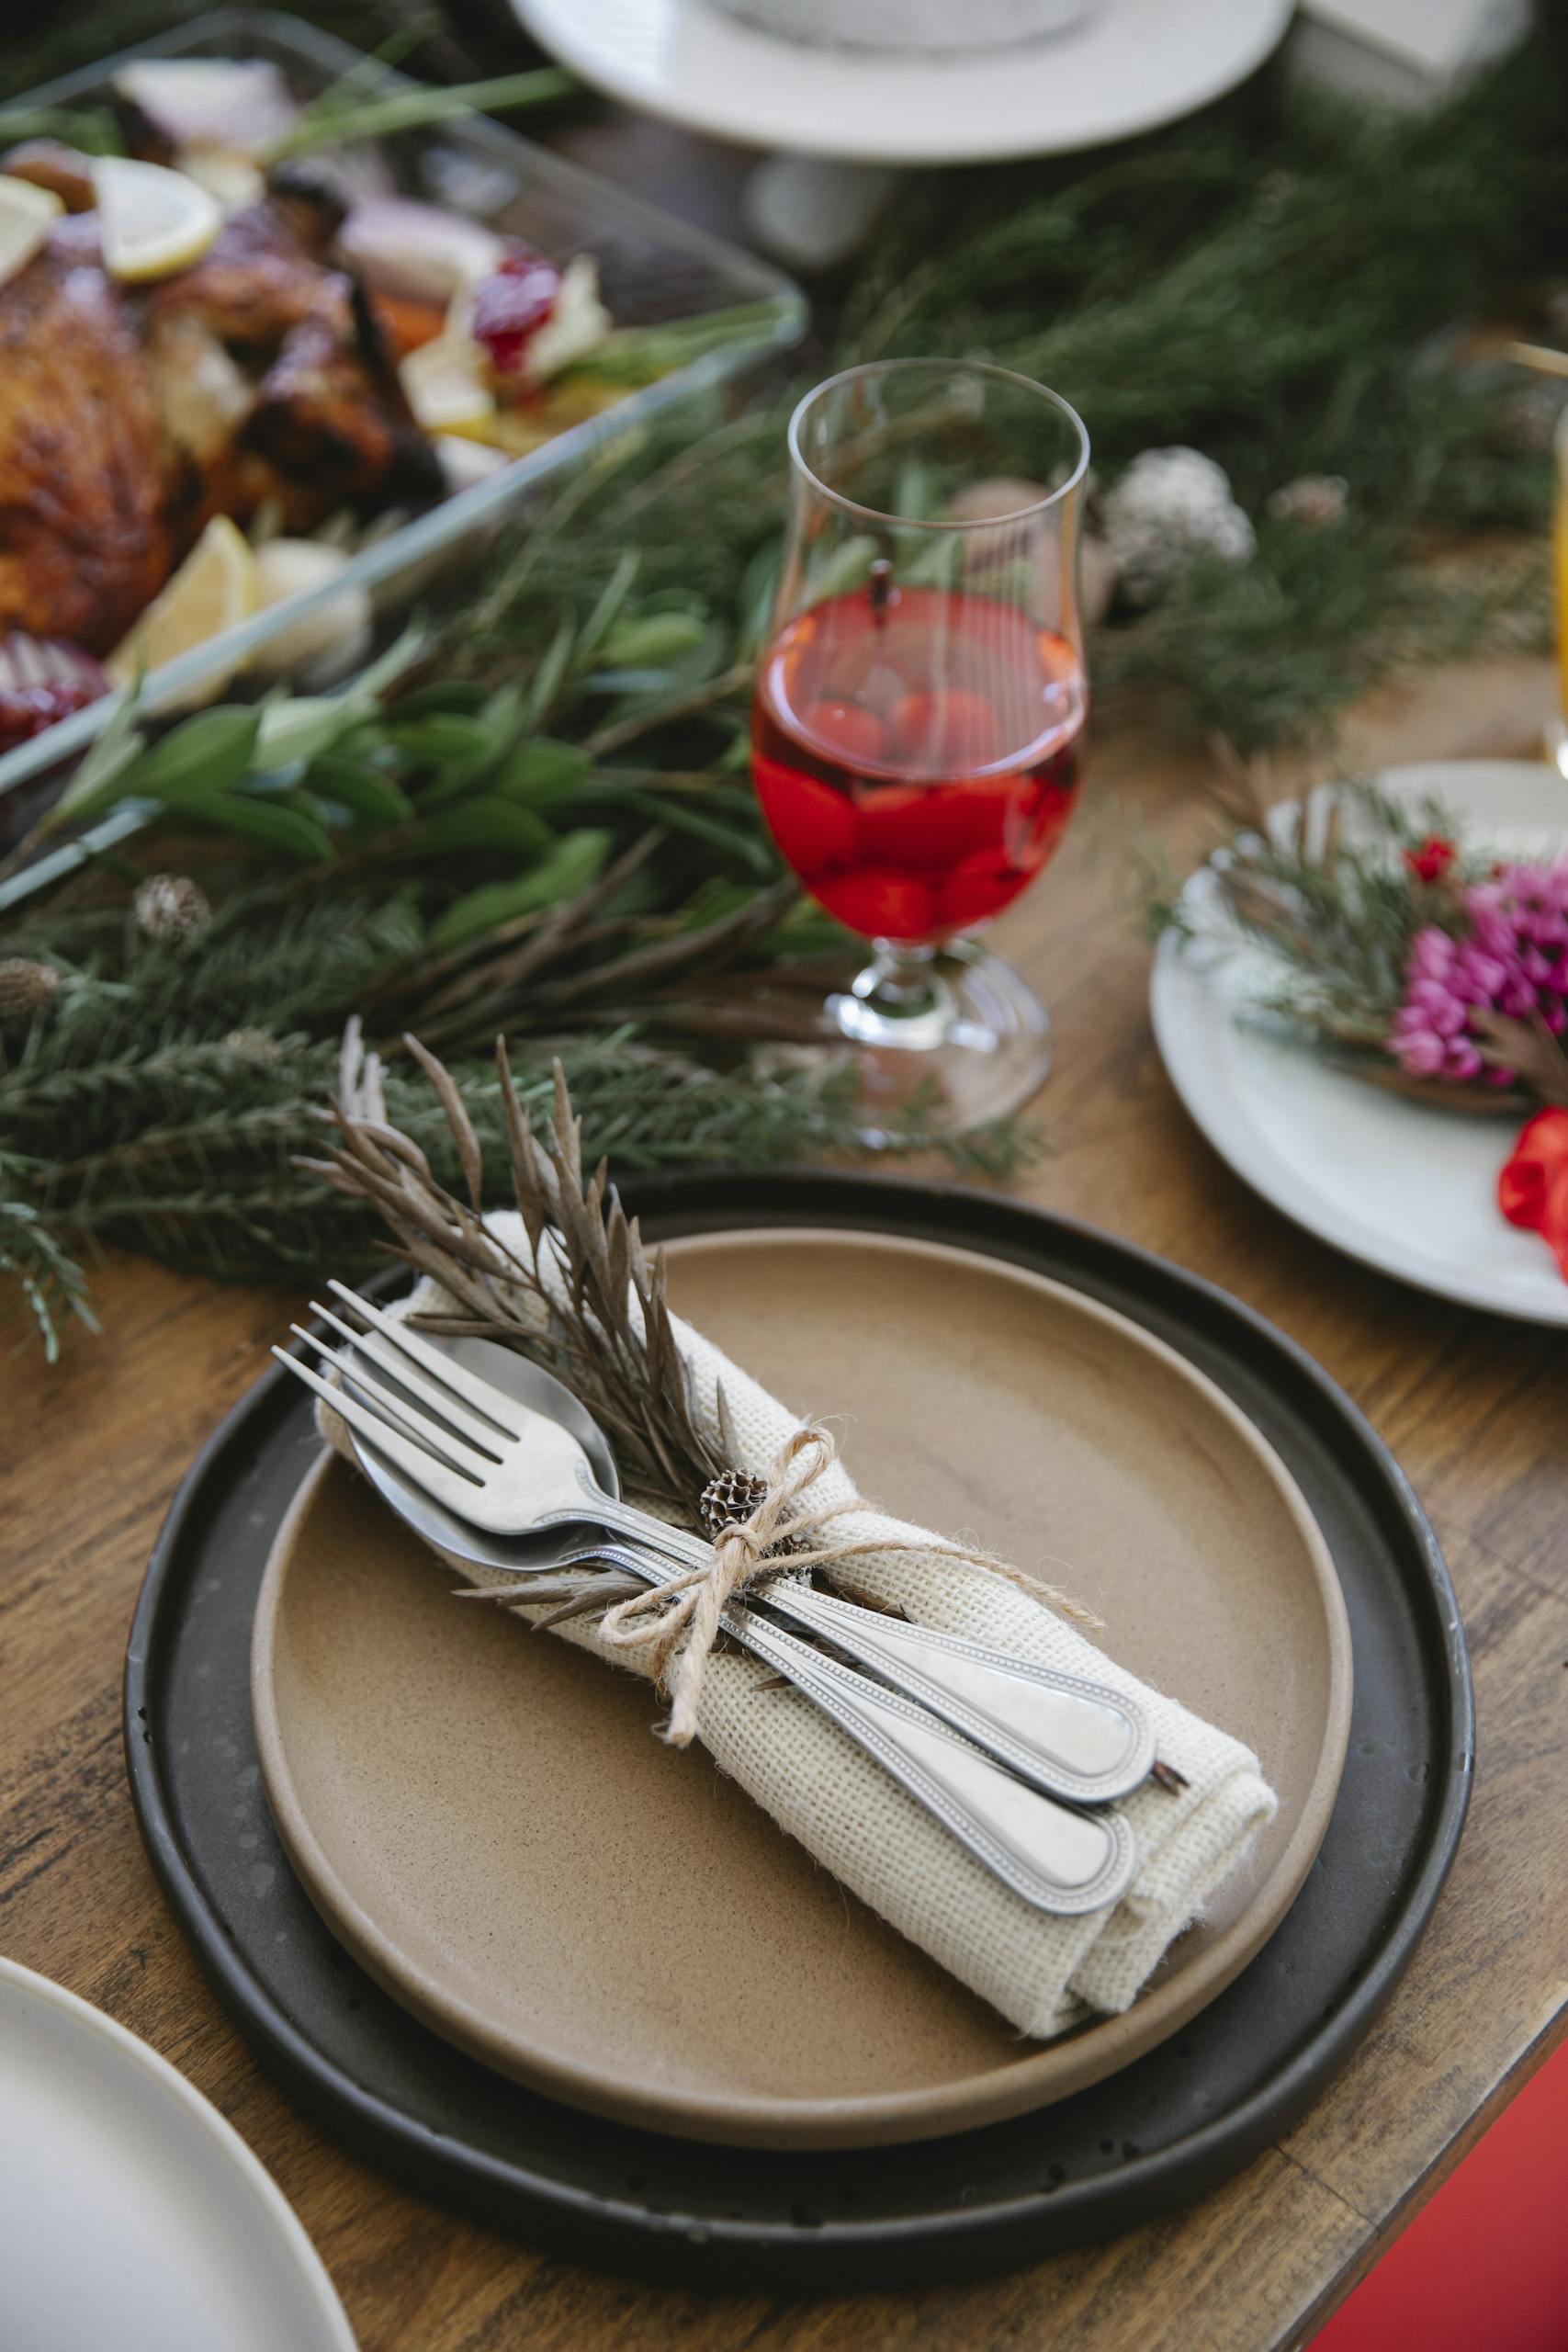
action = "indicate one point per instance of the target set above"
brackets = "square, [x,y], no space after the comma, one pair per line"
[171,906]
[25,988]
[728,1500]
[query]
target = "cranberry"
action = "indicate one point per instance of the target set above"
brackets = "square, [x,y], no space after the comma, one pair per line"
[1432,860]
[842,728]
[813,825]
[948,730]
[25,711]
[976,890]
[878,903]
[511,308]
[928,826]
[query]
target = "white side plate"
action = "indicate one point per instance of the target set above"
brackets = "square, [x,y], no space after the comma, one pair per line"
[131,2213]
[1407,1189]
[1126,66]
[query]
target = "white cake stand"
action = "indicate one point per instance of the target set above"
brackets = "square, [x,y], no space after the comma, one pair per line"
[1125,67]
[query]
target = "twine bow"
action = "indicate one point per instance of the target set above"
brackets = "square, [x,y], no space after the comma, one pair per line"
[679,1623]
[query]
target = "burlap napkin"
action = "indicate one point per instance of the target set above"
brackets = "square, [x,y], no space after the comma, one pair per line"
[1043,1975]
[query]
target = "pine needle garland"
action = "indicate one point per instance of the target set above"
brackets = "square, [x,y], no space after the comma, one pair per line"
[534,817]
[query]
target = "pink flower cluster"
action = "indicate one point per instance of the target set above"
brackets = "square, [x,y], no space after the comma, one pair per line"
[1512,960]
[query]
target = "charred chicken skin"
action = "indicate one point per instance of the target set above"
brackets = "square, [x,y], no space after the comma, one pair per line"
[130,416]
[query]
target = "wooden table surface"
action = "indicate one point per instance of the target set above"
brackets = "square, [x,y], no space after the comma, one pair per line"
[90,1453]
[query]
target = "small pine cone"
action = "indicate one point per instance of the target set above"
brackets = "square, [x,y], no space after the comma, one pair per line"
[728,1500]
[25,988]
[1316,501]
[171,906]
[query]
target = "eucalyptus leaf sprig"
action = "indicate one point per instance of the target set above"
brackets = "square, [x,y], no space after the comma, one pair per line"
[390,772]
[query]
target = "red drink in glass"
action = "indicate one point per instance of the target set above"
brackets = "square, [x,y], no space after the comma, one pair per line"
[916,752]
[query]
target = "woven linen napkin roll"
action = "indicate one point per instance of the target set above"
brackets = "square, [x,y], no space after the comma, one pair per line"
[1043,1974]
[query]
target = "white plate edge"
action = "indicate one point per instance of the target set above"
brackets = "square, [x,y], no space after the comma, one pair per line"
[1191,1053]
[797,133]
[242,2160]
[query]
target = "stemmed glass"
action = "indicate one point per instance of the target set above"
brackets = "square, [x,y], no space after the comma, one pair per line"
[919,710]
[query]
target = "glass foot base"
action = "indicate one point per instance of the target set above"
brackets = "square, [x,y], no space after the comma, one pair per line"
[961,1038]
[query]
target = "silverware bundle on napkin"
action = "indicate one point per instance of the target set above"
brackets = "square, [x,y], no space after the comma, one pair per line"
[532,1468]
[956,1752]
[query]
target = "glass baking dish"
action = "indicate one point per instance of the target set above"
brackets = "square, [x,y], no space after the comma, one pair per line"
[652,269]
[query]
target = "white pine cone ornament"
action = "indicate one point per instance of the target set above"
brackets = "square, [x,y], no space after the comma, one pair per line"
[171,906]
[1171,508]
[26,988]
[1316,501]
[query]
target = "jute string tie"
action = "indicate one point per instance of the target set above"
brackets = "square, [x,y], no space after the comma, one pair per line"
[679,1623]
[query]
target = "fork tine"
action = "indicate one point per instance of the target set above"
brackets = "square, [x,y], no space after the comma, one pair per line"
[436,1437]
[509,1419]
[482,1435]
[421,1469]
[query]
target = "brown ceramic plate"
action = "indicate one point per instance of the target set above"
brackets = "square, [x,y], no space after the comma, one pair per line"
[485,1820]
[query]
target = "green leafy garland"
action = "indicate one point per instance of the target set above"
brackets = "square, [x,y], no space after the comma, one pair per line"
[537,816]
[169,1029]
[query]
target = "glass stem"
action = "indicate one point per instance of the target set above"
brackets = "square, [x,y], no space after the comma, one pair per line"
[900,998]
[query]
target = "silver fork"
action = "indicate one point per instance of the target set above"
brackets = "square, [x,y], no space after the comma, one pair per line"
[525,1466]
[1056,1858]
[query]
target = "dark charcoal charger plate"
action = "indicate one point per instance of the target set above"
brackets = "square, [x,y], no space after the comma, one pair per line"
[1159,2134]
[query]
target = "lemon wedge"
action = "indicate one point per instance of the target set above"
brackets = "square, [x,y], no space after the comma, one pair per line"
[444,382]
[214,588]
[24,214]
[152,220]
[233,180]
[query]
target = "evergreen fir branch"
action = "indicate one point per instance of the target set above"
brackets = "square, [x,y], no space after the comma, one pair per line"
[1274,281]
[33,1258]
[192,1156]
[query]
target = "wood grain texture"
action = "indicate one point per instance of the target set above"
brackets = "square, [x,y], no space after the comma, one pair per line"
[90,1453]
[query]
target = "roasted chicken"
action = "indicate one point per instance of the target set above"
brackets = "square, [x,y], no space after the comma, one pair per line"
[130,416]
[86,537]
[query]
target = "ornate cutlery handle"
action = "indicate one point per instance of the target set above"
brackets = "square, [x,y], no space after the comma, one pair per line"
[1070,1737]
[1055,1860]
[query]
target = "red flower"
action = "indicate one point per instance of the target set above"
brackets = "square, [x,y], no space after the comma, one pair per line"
[1533,1189]
[1432,860]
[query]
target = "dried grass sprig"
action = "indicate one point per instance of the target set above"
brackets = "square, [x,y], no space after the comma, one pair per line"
[586,1300]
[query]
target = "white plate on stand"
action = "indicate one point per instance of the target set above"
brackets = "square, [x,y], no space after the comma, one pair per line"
[131,2215]
[1405,1188]
[1126,66]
